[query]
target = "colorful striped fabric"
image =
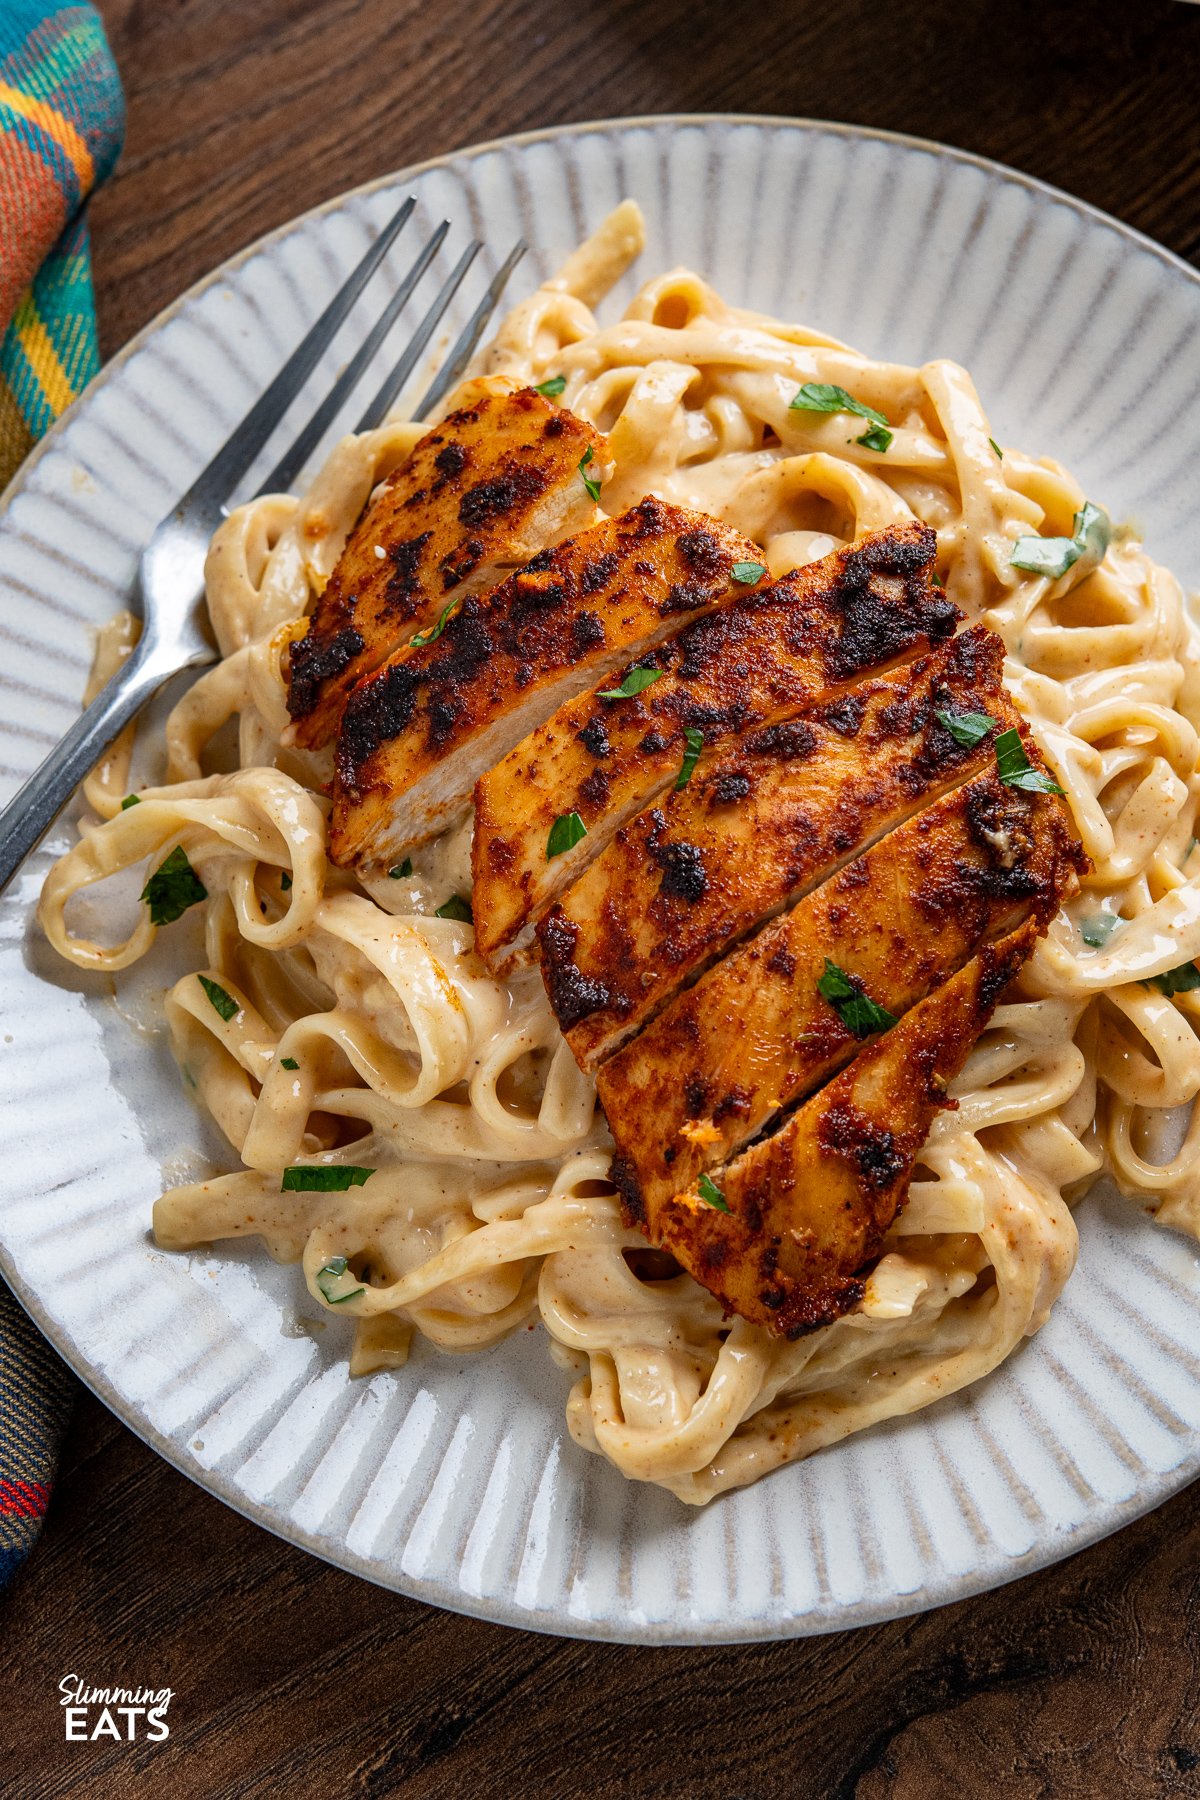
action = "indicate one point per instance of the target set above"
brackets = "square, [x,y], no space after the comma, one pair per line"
[36,1395]
[61,122]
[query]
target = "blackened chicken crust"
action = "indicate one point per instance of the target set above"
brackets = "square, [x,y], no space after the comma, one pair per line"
[759,824]
[418,733]
[608,753]
[757,1033]
[810,1205]
[496,481]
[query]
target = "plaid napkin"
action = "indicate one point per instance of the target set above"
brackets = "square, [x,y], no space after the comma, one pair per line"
[61,123]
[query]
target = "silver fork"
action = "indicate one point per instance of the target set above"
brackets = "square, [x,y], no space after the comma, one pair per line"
[169,584]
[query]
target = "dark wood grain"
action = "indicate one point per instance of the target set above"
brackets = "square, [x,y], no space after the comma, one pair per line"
[292,1678]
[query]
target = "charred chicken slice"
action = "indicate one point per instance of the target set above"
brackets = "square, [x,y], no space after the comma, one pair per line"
[791,1006]
[417,735]
[495,482]
[608,753]
[756,827]
[782,1235]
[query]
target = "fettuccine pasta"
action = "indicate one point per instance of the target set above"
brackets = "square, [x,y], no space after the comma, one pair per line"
[364,1033]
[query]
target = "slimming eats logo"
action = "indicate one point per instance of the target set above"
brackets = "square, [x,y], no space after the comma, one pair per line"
[93,1713]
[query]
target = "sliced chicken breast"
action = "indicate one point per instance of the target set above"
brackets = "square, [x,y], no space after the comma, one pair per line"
[767,1025]
[496,481]
[757,826]
[417,735]
[609,753]
[783,1235]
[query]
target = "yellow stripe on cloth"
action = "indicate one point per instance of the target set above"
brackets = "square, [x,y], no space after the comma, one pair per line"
[41,114]
[42,357]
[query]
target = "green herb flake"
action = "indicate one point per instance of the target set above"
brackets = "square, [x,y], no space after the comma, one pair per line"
[967,728]
[748,573]
[435,631]
[996,448]
[857,1011]
[819,396]
[456,908]
[1053,556]
[173,887]
[694,740]
[589,481]
[1181,980]
[567,831]
[1015,769]
[285,880]
[288,1062]
[130,800]
[1097,930]
[224,1002]
[323,1178]
[937,581]
[552,387]
[711,1194]
[333,1275]
[876,437]
[402,871]
[636,682]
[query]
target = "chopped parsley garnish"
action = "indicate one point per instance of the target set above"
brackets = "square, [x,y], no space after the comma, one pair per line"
[695,743]
[288,1062]
[937,581]
[996,448]
[1015,769]
[748,572]
[711,1194]
[1097,930]
[456,908]
[636,682]
[285,881]
[967,728]
[567,831]
[173,887]
[1055,555]
[333,1275]
[819,396]
[589,481]
[876,437]
[435,631]
[130,800]
[402,871]
[1176,981]
[323,1178]
[856,1009]
[224,1002]
[552,387]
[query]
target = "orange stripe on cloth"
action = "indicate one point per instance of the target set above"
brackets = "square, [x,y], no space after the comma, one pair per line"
[31,218]
[41,114]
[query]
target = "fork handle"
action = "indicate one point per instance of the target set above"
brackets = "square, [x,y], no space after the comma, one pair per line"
[32,811]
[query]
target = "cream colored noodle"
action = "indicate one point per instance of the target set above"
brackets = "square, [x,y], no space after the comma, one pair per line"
[490,1204]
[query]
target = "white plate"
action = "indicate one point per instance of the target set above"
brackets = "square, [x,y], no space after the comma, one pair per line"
[455,1480]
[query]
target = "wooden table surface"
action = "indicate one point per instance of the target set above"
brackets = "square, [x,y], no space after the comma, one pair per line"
[293,1679]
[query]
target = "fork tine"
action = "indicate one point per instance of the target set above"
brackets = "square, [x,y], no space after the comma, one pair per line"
[290,464]
[470,335]
[230,463]
[377,411]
